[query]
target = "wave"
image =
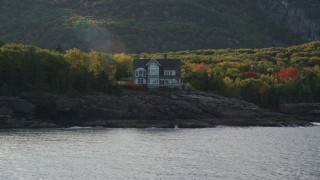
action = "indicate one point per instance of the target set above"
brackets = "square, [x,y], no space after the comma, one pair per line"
[80,127]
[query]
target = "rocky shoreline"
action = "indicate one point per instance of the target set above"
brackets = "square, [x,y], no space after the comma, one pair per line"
[143,109]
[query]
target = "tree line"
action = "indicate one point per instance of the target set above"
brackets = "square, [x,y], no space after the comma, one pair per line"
[267,77]
[25,68]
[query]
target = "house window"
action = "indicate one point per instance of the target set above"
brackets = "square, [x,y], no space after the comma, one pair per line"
[171,81]
[170,73]
[153,80]
[140,72]
[140,81]
[153,69]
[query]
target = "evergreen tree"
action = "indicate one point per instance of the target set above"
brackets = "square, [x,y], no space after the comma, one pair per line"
[59,49]
[1,42]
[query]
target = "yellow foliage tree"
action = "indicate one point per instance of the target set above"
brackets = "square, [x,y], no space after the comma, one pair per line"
[124,66]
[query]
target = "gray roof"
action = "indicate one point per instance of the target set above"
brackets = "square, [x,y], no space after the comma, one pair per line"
[166,64]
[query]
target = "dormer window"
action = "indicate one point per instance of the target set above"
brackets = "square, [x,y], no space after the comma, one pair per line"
[140,72]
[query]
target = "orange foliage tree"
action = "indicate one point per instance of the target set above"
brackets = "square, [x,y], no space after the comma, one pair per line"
[289,73]
[200,67]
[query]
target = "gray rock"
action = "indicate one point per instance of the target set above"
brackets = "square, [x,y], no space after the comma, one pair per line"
[300,108]
[148,109]
[294,19]
[18,106]
[5,113]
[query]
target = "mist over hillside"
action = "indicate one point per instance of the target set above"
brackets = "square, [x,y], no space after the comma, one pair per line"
[159,25]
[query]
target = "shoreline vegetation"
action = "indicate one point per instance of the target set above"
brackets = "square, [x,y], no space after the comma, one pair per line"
[236,87]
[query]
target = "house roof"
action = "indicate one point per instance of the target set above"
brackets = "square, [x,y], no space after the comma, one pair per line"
[167,64]
[153,60]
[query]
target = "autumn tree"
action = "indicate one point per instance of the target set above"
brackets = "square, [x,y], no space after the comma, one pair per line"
[200,67]
[198,80]
[102,68]
[123,66]
[79,63]
[251,74]
[27,68]
[289,73]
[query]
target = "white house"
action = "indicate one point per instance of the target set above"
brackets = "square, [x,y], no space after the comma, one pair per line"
[157,72]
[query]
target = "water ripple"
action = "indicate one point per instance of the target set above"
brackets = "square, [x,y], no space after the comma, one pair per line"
[219,153]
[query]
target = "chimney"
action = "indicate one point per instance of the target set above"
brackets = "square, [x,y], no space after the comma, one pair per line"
[165,56]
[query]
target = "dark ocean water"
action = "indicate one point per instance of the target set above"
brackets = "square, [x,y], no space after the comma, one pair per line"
[218,153]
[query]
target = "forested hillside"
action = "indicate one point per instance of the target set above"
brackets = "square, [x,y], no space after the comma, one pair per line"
[267,77]
[25,68]
[158,25]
